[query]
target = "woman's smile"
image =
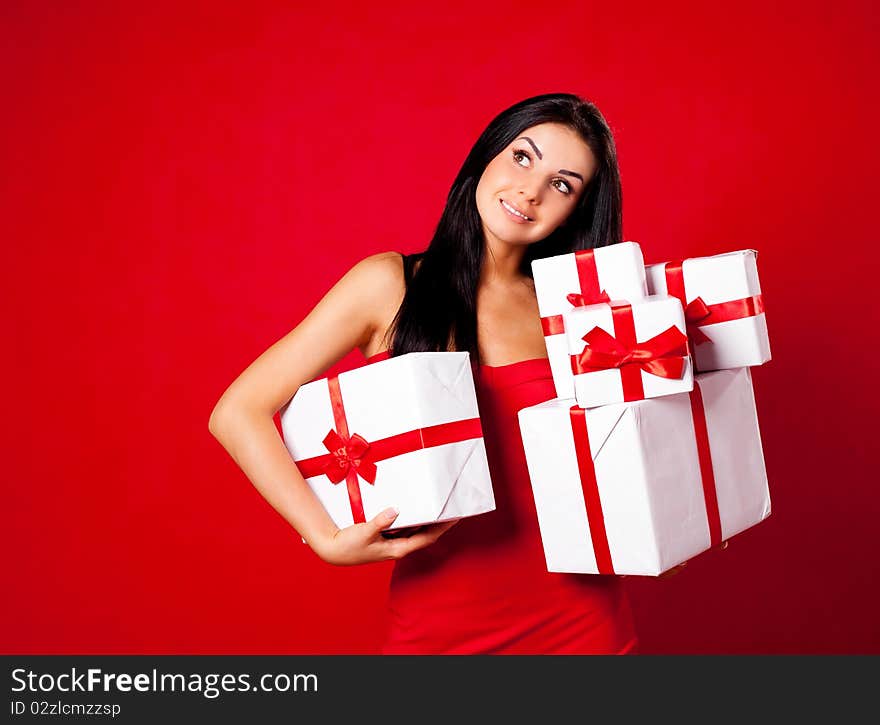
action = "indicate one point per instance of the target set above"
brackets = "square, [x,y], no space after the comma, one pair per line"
[518,216]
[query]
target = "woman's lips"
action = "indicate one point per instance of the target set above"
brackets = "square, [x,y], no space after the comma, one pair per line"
[513,215]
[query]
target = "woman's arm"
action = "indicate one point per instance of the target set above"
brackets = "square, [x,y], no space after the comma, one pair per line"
[356,312]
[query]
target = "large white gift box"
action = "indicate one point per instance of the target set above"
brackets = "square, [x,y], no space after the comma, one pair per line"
[577,279]
[724,307]
[638,488]
[402,432]
[625,351]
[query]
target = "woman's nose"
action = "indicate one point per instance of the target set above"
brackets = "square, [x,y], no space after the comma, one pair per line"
[529,193]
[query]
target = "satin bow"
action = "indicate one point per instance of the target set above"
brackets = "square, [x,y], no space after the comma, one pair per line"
[578,300]
[663,355]
[347,455]
[695,312]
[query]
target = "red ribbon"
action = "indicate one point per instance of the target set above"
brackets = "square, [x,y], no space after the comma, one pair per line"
[590,486]
[663,355]
[589,294]
[592,502]
[694,313]
[698,314]
[351,456]
[348,455]
[578,300]
[707,475]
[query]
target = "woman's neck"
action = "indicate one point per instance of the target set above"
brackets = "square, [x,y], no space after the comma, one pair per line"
[501,263]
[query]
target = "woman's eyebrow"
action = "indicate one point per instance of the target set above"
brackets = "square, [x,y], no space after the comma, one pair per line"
[537,150]
[541,156]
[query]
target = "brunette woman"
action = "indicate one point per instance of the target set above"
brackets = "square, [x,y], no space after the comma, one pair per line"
[541,180]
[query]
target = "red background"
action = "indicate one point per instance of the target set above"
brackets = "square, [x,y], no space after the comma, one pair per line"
[181,182]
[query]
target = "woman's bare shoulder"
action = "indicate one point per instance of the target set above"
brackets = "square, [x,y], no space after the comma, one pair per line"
[381,279]
[379,282]
[355,313]
[383,270]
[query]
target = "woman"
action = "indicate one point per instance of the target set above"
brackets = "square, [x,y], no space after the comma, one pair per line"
[541,180]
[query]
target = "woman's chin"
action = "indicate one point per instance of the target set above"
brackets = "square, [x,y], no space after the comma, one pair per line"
[511,237]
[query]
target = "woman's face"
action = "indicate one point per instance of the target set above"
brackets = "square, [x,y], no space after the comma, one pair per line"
[533,185]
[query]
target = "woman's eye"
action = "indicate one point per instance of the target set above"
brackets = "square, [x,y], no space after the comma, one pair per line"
[562,186]
[519,154]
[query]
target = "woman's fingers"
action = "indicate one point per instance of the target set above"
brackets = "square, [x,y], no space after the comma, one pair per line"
[366,542]
[402,533]
[398,548]
[383,520]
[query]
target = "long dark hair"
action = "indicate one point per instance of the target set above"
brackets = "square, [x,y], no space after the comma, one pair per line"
[439,309]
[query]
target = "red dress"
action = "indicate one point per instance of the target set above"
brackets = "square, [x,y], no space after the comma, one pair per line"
[483,586]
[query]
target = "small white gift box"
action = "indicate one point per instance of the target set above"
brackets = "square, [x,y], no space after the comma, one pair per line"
[622,351]
[638,488]
[724,307]
[402,432]
[577,279]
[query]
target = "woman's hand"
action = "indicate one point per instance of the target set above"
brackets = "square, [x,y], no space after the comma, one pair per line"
[355,313]
[365,543]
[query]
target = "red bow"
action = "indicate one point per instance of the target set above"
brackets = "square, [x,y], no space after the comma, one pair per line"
[663,355]
[348,455]
[579,300]
[589,294]
[698,311]
[694,313]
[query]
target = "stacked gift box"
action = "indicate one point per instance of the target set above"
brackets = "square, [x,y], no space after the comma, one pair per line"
[651,452]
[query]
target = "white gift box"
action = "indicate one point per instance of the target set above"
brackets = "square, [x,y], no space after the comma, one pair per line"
[418,414]
[617,270]
[646,318]
[734,333]
[652,486]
